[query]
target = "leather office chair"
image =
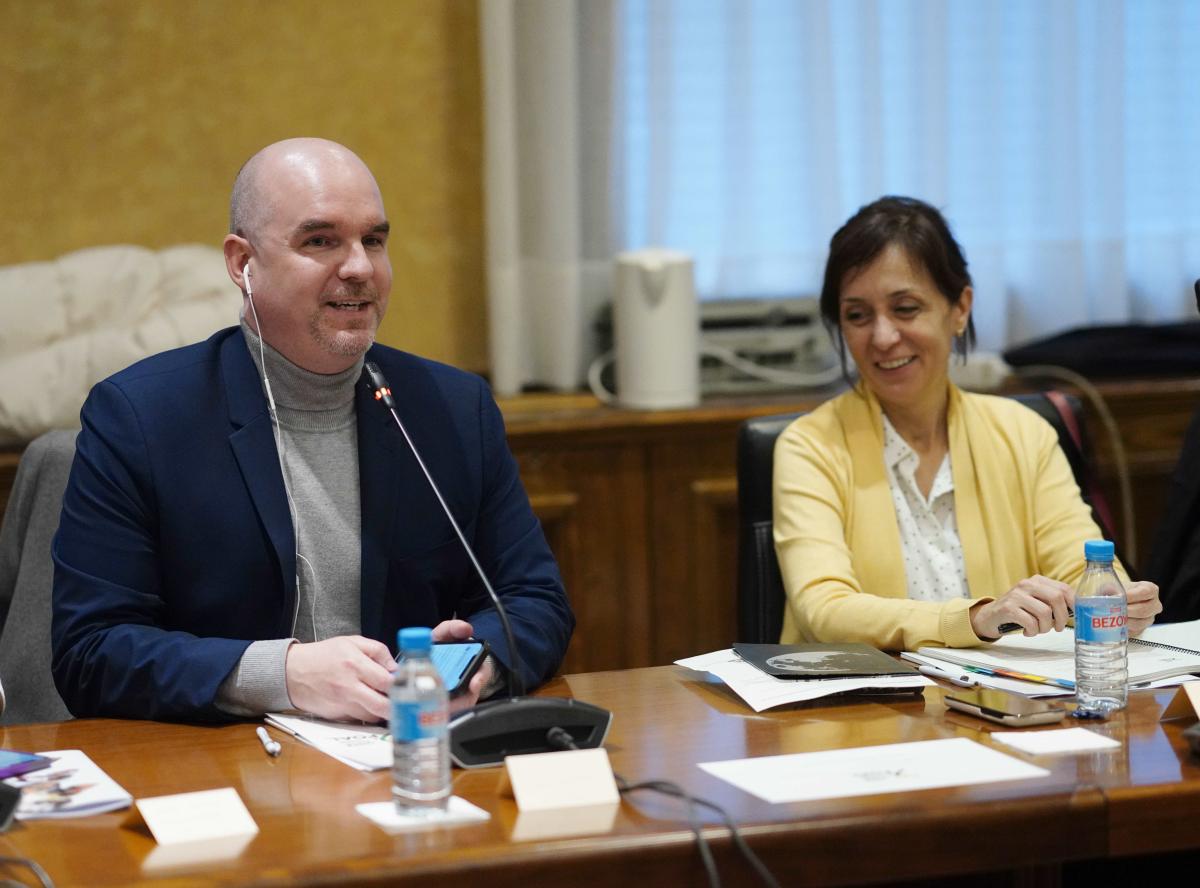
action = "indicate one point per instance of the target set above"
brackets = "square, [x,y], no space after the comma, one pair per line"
[761,598]
[27,580]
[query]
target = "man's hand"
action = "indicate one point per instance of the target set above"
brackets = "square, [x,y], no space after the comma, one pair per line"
[451,630]
[1142,598]
[1036,604]
[344,678]
[460,630]
[475,686]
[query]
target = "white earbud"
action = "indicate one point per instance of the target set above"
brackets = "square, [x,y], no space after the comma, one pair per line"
[246,278]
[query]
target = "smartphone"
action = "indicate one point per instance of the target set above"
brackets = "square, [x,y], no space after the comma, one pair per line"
[457,661]
[1003,708]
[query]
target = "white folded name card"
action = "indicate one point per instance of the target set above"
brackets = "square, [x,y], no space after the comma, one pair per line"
[196,816]
[569,779]
[1185,703]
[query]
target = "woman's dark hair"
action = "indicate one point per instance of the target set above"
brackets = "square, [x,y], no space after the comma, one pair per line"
[923,234]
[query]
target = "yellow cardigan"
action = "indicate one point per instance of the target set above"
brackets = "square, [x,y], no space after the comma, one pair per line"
[1018,509]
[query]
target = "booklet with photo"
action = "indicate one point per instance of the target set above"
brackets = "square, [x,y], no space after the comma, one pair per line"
[70,786]
[840,660]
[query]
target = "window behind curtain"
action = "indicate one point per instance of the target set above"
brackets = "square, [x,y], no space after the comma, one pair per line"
[1061,139]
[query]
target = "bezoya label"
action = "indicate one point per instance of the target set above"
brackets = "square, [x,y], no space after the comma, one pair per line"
[1101,620]
[423,720]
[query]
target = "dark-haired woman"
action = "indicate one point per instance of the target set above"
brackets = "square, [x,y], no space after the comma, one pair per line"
[908,512]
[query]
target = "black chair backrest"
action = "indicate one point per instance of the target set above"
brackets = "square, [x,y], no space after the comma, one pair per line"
[760,592]
[760,586]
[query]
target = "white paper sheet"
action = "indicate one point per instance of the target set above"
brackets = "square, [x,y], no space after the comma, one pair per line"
[762,691]
[1052,742]
[366,747]
[869,770]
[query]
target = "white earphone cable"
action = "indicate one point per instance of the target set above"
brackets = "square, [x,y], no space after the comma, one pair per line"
[293,513]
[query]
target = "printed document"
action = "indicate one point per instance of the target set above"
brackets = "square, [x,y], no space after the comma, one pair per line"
[870,770]
[366,747]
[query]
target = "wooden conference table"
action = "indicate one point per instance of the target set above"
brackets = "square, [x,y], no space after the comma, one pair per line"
[1144,798]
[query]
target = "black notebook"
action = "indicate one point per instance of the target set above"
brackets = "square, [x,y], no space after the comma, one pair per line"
[844,660]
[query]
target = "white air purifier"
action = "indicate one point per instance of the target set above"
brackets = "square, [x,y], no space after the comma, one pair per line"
[656,330]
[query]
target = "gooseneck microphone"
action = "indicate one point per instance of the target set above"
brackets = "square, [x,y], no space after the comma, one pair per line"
[486,734]
[381,390]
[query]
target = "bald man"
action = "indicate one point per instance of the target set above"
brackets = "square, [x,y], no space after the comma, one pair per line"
[244,530]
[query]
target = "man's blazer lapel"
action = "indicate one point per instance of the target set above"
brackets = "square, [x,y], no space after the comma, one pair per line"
[253,441]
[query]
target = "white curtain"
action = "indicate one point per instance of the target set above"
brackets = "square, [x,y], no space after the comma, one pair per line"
[548,77]
[1061,139]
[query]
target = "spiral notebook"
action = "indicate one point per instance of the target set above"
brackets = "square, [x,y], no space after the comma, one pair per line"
[1183,638]
[1163,651]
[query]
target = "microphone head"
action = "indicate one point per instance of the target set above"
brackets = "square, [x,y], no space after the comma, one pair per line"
[378,385]
[1196,287]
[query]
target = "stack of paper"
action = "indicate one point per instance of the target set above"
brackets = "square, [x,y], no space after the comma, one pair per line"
[73,786]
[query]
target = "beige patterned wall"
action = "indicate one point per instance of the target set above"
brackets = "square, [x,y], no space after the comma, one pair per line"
[124,121]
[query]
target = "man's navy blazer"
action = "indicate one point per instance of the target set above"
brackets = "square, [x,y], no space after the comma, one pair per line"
[176,549]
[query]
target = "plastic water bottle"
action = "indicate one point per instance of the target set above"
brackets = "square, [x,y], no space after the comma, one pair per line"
[420,738]
[1101,634]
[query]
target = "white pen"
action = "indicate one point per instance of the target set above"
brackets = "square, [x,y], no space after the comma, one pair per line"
[271,746]
[962,679]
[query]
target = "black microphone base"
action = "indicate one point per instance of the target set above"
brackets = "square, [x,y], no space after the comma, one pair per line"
[483,736]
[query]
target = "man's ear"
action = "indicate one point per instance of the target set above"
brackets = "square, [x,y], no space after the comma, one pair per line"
[237,254]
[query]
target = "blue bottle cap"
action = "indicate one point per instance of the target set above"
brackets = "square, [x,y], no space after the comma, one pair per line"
[1098,550]
[416,639]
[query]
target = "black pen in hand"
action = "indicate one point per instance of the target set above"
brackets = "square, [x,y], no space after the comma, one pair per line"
[1006,628]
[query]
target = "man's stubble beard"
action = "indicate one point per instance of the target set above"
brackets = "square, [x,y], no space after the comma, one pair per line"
[345,343]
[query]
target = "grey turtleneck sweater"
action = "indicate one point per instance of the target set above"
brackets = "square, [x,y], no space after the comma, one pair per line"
[317,438]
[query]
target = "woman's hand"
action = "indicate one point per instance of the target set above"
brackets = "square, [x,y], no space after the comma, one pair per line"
[1036,604]
[1144,605]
